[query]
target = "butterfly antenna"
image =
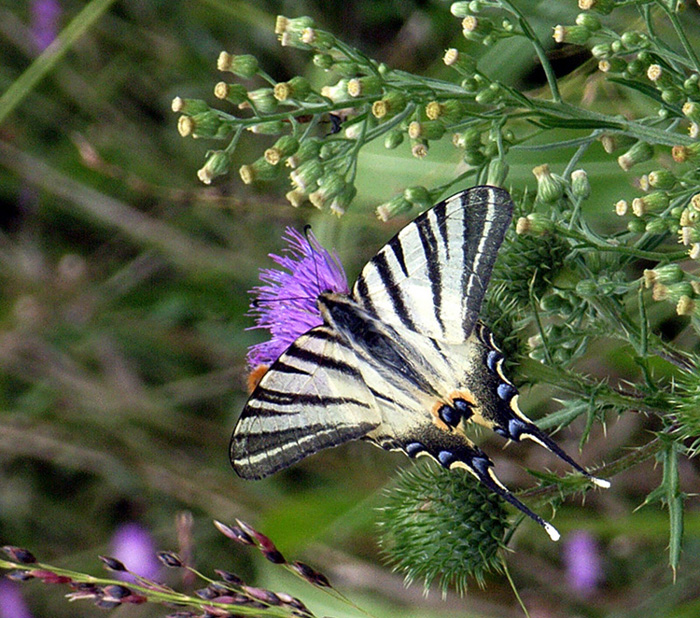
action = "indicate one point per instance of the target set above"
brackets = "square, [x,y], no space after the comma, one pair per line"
[480,466]
[307,231]
[534,433]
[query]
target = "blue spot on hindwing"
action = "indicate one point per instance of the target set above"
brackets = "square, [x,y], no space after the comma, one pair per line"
[506,391]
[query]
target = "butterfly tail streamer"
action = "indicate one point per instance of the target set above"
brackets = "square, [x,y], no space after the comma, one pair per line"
[534,433]
[481,468]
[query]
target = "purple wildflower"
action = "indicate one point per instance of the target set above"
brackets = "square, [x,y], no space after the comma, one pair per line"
[133,545]
[44,27]
[12,604]
[286,305]
[582,561]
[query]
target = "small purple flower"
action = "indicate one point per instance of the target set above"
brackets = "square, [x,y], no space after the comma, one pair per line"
[286,305]
[44,27]
[12,604]
[582,562]
[133,545]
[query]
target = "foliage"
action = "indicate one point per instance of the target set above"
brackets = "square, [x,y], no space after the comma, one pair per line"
[124,287]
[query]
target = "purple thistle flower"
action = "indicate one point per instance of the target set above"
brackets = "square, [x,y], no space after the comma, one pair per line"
[44,26]
[582,562]
[133,546]
[12,604]
[286,305]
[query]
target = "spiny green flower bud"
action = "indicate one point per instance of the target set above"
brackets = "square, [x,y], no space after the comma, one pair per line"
[297,88]
[464,63]
[338,92]
[263,100]
[460,9]
[308,149]
[284,147]
[366,86]
[393,139]
[575,35]
[217,165]
[429,130]
[329,186]
[550,188]
[666,274]
[393,103]
[535,224]
[450,110]
[476,28]
[320,39]
[306,176]
[244,65]
[421,508]
[489,95]
[258,171]
[681,154]
[662,179]
[189,106]
[604,7]
[498,170]
[640,152]
[591,22]
[273,127]
[656,201]
[394,207]
[580,185]
[418,197]
[235,93]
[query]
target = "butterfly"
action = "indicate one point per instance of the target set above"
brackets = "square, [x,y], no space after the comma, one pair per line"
[402,361]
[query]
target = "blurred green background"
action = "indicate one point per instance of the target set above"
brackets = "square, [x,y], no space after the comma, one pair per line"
[122,317]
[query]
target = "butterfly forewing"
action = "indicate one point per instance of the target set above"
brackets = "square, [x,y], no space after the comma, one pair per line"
[432,276]
[313,397]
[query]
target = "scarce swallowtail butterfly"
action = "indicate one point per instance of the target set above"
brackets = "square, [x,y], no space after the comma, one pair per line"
[402,361]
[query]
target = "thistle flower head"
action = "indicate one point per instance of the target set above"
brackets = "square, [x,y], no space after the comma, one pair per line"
[286,303]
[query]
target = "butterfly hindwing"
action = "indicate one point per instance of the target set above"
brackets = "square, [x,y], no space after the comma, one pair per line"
[432,276]
[313,397]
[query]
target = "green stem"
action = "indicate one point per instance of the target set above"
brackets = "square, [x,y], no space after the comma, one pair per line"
[673,18]
[36,71]
[539,50]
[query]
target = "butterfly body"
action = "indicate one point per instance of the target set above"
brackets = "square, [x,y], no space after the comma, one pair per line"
[402,361]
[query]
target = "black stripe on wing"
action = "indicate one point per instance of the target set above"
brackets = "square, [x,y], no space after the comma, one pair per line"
[432,276]
[312,397]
